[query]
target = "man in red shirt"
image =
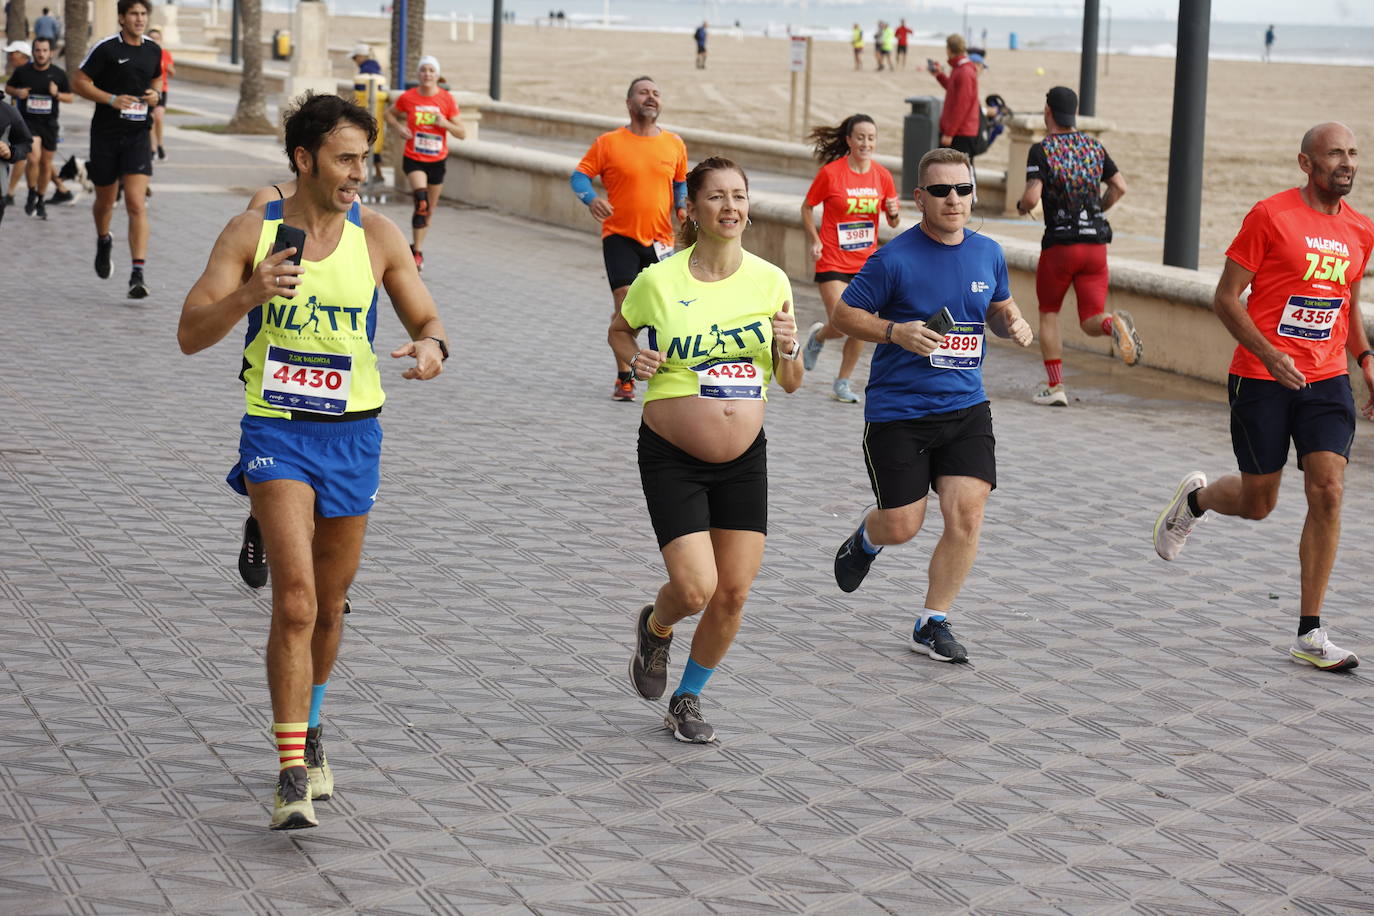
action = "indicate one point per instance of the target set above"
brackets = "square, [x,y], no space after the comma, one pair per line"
[959,117]
[1302,253]
[903,34]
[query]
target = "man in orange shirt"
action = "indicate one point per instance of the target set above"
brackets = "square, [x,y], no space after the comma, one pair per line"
[644,169]
[1302,252]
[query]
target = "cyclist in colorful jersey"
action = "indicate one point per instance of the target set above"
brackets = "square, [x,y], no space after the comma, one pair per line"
[39,88]
[310,442]
[425,116]
[928,423]
[643,168]
[118,75]
[1069,168]
[854,191]
[169,70]
[1302,252]
[720,325]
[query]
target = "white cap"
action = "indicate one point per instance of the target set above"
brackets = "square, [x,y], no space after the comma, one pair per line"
[23,47]
[361,50]
[432,61]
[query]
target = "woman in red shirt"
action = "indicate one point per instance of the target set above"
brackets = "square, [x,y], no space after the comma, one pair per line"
[425,115]
[855,192]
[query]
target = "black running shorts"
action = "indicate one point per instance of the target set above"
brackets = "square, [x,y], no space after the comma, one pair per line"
[824,276]
[434,171]
[686,494]
[114,155]
[905,457]
[44,132]
[625,258]
[1265,416]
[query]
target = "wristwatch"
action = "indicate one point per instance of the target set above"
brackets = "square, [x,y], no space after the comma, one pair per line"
[1359,360]
[443,347]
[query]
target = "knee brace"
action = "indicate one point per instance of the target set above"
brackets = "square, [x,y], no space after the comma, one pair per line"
[420,219]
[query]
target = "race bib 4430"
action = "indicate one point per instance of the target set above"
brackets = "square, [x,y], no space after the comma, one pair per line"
[962,347]
[1309,318]
[304,380]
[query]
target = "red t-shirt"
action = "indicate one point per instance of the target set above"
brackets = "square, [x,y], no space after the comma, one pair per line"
[853,207]
[1304,263]
[166,65]
[902,34]
[428,142]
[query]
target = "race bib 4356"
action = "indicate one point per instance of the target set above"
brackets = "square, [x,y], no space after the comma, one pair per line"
[1309,318]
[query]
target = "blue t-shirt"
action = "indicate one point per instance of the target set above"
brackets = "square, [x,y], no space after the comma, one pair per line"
[909,279]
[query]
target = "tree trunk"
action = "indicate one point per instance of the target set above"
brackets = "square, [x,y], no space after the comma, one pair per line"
[251,115]
[403,71]
[16,23]
[76,27]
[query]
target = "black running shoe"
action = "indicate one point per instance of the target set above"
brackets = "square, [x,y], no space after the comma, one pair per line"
[649,664]
[30,202]
[137,288]
[936,640]
[9,200]
[161,153]
[40,209]
[852,562]
[685,721]
[61,197]
[253,557]
[103,247]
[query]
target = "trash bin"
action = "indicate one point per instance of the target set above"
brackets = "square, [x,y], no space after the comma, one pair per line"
[920,135]
[281,44]
[1012,42]
[369,90]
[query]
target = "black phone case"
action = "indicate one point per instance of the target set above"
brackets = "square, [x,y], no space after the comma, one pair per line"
[941,322]
[290,237]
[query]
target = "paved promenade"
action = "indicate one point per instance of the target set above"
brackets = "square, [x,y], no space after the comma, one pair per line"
[1130,738]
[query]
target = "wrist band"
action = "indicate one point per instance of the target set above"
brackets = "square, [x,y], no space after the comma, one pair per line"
[1359,360]
[443,347]
[887,335]
[112,99]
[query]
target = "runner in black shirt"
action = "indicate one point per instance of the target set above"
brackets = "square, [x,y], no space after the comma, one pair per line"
[39,89]
[1069,168]
[118,76]
[15,139]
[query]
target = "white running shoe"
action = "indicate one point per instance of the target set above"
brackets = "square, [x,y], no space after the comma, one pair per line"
[1176,522]
[1051,396]
[1126,338]
[1316,649]
[812,351]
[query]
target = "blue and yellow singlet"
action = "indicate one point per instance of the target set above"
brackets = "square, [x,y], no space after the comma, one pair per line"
[310,357]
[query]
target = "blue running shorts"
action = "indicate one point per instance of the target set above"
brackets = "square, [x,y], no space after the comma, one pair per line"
[341,462]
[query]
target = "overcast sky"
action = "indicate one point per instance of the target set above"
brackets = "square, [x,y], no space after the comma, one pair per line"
[1334,13]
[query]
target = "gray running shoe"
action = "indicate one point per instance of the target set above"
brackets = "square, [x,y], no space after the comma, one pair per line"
[317,765]
[685,721]
[649,663]
[841,392]
[1176,522]
[812,351]
[1051,396]
[291,808]
[937,640]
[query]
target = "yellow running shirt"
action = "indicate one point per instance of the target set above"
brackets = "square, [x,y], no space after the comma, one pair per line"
[310,356]
[717,337]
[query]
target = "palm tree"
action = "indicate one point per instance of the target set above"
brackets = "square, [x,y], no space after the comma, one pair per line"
[251,115]
[16,23]
[415,40]
[76,25]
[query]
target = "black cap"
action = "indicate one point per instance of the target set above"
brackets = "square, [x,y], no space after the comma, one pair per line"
[1063,103]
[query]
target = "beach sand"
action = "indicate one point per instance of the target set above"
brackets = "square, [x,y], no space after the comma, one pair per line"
[1256,113]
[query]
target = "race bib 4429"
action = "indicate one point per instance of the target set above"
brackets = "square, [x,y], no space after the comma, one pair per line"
[1309,317]
[730,380]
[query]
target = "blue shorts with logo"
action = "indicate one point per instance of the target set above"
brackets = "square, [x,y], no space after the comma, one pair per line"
[341,462]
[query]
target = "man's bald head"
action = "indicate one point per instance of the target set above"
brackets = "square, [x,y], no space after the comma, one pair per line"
[1330,159]
[1320,137]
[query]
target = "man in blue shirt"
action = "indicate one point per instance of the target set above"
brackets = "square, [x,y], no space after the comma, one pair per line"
[928,423]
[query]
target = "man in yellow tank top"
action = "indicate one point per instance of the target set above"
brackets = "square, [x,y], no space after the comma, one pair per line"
[311,444]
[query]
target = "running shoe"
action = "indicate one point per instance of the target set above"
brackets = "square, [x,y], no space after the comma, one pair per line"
[685,721]
[841,392]
[624,390]
[1051,396]
[103,247]
[317,766]
[253,557]
[61,197]
[1126,338]
[852,562]
[419,260]
[161,153]
[1176,522]
[936,640]
[292,809]
[1315,648]
[138,289]
[814,345]
[30,202]
[649,664]
[9,200]
[40,209]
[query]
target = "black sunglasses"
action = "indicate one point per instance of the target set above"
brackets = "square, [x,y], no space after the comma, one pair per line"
[942,190]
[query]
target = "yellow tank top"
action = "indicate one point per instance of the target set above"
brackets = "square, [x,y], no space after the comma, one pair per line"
[310,357]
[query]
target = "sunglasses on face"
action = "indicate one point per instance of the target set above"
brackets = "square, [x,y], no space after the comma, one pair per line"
[942,190]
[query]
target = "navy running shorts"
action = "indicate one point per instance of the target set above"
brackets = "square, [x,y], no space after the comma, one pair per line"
[1265,417]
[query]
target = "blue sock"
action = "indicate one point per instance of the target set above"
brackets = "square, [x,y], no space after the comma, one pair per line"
[316,701]
[865,543]
[694,678]
[928,614]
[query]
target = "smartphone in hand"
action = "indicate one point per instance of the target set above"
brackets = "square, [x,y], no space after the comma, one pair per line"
[942,322]
[290,237]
